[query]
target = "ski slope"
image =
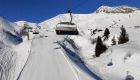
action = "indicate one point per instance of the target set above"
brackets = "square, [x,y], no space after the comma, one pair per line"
[117,53]
[47,61]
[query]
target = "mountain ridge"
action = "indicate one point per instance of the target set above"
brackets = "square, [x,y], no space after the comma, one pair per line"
[117,9]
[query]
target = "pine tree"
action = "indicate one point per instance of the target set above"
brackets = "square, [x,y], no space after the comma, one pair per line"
[113,41]
[99,44]
[106,34]
[100,47]
[124,37]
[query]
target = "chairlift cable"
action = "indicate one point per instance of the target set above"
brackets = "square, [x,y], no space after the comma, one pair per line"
[79,4]
[67,30]
[21,10]
[69,11]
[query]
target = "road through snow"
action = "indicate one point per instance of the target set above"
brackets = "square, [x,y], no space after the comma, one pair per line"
[46,61]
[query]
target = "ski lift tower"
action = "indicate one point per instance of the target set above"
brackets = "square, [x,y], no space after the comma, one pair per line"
[27,27]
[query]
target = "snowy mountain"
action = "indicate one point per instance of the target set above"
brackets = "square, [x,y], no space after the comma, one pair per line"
[47,56]
[9,39]
[31,24]
[9,33]
[88,22]
[116,9]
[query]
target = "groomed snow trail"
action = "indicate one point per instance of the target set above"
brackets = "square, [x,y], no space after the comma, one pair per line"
[46,61]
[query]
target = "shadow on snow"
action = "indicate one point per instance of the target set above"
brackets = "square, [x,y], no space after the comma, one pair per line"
[77,60]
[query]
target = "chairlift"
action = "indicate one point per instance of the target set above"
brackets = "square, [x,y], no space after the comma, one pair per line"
[67,28]
[24,33]
[31,30]
[35,32]
[129,77]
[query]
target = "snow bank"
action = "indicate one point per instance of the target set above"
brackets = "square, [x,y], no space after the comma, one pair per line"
[13,60]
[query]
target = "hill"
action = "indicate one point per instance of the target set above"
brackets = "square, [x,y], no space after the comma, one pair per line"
[19,56]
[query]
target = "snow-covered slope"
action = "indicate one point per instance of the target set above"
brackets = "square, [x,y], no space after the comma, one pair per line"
[7,25]
[88,22]
[48,61]
[10,53]
[95,20]
[53,57]
[9,33]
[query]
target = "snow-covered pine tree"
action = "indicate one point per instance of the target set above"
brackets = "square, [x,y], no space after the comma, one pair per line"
[124,37]
[106,34]
[113,41]
[100,47]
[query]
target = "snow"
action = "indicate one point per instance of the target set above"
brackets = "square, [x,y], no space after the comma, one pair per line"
[50,56]
[13,60]
[46,61]
[116,9]
[99,65]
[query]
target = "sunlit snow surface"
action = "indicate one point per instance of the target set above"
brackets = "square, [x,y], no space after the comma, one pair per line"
[47,56]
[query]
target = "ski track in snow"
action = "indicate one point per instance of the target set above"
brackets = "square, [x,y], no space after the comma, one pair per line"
[47,61]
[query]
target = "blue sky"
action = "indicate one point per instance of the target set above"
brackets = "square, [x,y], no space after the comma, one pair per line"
[40,10]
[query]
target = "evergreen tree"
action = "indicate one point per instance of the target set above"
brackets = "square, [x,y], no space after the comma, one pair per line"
[124,37]
[99,44]
[113,41]
[104,48]
[100,47]
[106,34]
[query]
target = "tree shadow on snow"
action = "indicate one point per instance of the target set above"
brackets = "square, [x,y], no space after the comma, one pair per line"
[78,61]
